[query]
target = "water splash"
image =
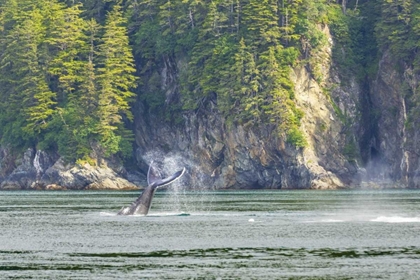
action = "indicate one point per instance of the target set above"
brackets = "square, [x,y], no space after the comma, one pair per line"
[396,219]
[190,192]
[332,221]
[107,214]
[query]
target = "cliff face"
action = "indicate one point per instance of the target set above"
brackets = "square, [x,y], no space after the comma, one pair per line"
[356,136]
[236,156]
[356,131]
[394,145]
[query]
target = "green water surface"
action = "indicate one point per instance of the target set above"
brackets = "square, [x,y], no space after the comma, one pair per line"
[211,235]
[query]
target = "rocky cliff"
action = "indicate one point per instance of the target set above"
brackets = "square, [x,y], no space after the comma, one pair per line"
[237,156]
[394,142]
[356,134]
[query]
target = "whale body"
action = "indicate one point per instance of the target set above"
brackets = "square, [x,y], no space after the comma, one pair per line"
[154,180]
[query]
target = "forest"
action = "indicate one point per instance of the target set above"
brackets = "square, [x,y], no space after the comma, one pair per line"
[70,71]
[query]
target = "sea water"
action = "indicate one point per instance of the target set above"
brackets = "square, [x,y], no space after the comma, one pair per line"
[211,235]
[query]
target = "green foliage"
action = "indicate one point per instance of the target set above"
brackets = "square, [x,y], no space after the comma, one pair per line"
[72,89]
[398,31]
[65,81]
[241,59]
[115,81]
[350,150]
[395,26]
[154,95]
[356,47]
[68,73]
[296,138]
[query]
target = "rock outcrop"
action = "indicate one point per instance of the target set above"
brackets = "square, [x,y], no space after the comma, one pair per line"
[240,156]
[394,146]
[39,170]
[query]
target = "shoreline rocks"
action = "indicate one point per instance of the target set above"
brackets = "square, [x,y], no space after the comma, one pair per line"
[38,170]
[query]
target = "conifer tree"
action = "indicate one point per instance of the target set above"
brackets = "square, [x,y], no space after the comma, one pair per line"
[88,84]
[394,28]
[71,46]
[115,80]
[261,20]
[246,84]
[26,57]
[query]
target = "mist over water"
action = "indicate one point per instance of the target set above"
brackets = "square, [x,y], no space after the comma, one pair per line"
[193,181]
[377,173]
[211,235]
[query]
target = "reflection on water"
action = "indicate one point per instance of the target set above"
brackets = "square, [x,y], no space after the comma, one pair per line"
[211,235]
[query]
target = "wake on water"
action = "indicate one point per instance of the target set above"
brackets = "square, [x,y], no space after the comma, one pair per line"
[162,214]
[380,219]
[396,219]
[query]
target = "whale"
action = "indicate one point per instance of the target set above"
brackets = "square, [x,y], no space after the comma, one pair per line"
[142,204]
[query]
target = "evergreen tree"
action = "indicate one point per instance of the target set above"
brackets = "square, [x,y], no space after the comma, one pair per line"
[70,43]
[394,27]
[31,101]
[246,84]
[262,23]
[115,80]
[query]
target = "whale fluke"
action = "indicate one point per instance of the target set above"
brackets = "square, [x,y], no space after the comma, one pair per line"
[154,180]
[153,174]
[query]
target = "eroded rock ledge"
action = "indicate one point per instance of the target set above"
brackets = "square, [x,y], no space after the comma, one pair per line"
[37,170]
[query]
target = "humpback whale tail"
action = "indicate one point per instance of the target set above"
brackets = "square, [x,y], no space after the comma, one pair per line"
[144,201]
[154,178]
